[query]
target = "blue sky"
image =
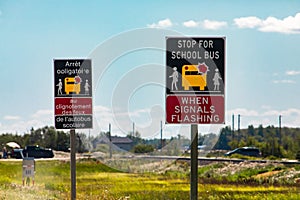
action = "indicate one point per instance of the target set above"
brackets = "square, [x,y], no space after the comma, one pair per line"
[262,59]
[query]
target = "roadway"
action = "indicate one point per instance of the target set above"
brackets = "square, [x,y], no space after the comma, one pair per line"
[201,160]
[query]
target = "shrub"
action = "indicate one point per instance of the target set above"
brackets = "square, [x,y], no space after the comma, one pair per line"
[143,148]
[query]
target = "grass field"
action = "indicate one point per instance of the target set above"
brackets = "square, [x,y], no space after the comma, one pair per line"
[97,181]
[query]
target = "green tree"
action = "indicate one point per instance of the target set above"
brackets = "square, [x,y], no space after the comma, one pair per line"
[223,142]
[136,138]
[251,131]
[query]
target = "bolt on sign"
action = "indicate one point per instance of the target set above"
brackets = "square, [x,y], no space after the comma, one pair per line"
[73,94]
[195,80]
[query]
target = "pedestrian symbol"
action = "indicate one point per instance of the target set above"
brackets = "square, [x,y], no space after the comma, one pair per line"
[216,79]
[87,87]
[174,77]
[59,90]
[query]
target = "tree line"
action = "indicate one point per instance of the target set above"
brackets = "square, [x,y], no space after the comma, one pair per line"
[47,137]
[272,141]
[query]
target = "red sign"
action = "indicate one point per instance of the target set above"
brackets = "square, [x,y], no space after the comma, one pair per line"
[73,106]
[195,109]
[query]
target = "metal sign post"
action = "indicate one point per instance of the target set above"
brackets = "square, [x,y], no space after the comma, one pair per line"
[73,163]
[73,102]
[195,89]
[194,162]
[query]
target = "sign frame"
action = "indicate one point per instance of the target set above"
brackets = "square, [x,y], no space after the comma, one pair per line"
[195,68]
[73,90]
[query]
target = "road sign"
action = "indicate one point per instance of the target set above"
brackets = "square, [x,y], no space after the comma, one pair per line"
[28,166]
[73,94]
[195,77]
[195,109]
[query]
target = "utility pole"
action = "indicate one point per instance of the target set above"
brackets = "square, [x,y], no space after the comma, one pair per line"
[232,126]
[279,121]
[133,130]
[110,143]
[161,137]
[239,123]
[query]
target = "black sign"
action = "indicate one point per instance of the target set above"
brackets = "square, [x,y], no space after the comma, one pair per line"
[73,78]
[73,121]
[195,65]
[195,77]
[73,94]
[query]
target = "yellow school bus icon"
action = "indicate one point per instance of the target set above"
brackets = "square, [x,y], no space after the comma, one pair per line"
[72,84]
[194,76]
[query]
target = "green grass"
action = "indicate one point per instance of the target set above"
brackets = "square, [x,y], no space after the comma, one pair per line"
[97,181]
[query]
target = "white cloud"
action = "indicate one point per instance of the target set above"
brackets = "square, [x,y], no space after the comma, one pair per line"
[288,25]
[270,112]
[21,126]
[11,117]
[265,117]
[147,121]
[213,25]
[122,122]
[191,24]
[244,112]
[166,23]
[285,81]
[42,114]
[248,22]
[17,124]
[206,24]
[291,112]
[292,73]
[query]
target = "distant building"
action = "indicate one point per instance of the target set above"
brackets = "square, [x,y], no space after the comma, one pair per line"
[124,143]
